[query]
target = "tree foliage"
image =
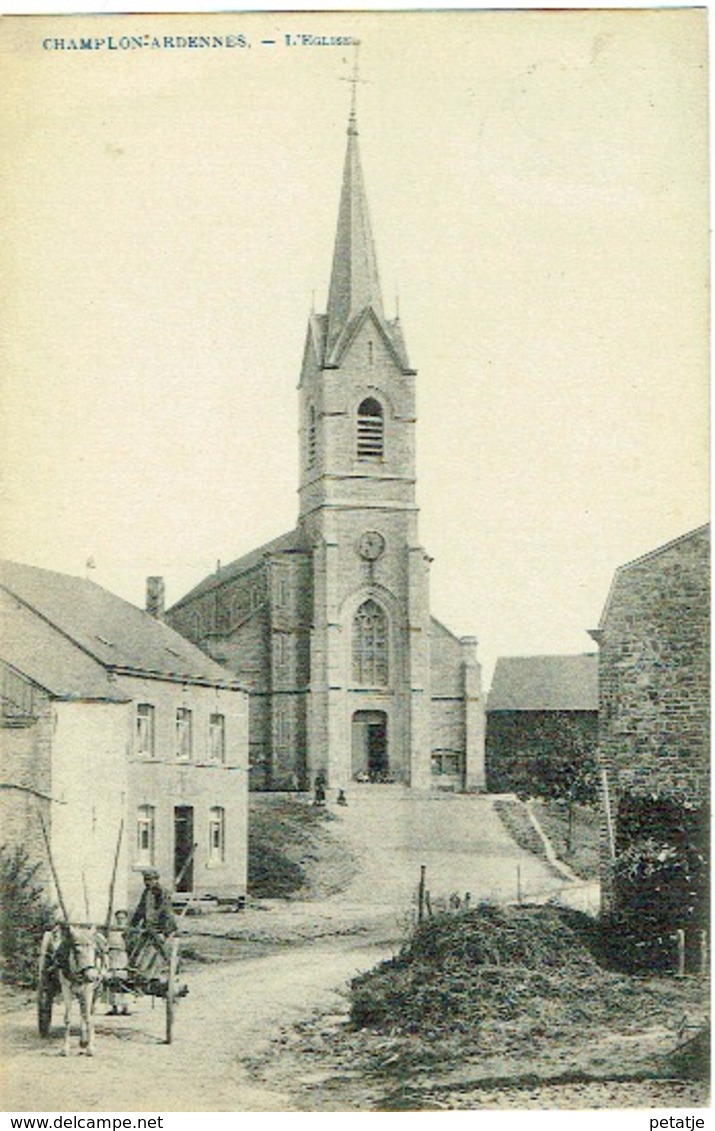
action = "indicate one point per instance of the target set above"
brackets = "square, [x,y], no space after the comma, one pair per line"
[25,914]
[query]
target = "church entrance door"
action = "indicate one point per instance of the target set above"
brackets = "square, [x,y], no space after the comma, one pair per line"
[370,753]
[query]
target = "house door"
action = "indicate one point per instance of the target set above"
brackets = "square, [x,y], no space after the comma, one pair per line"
[183,847]
[370,753]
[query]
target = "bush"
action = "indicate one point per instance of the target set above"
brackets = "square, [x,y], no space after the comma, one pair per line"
[25,914]
[661,881]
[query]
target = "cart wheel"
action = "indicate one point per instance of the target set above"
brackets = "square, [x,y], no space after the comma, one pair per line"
[172,987]
[45,987]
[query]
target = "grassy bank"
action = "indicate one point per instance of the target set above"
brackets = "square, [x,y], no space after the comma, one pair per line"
[577,847]
[291,850]
[580,850]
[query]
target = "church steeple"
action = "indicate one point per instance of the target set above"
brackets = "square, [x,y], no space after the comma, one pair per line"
[354,282]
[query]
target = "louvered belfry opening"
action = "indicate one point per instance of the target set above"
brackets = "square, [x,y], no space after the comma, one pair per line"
[370,430]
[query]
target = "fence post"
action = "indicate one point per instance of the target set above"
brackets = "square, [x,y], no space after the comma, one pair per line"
[518,883]
[421,894]
[703,952]
[680,938]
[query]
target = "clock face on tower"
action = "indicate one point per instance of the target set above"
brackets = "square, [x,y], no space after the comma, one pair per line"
[371,545]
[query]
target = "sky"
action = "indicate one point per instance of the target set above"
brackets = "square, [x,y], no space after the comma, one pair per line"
[538,192]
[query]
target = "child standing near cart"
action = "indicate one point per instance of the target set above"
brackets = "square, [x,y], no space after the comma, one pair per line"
[118,964]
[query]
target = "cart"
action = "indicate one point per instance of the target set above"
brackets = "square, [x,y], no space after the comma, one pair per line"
[153,971]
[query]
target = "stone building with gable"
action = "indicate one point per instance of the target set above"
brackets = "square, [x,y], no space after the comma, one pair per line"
[329,626]
[542,712]
[654,688]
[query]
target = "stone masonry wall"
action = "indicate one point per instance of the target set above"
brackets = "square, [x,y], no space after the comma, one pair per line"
[26,751]
[654,674]
[654,671]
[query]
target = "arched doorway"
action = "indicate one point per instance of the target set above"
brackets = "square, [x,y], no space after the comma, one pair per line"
[370,748]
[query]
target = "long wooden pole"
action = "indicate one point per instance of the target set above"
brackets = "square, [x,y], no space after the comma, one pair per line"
[421,894]
[55,877]
[192,897]
[185,865]
[86,896]
[110,905]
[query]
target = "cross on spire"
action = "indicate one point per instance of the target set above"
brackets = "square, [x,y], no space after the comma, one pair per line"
[354,79]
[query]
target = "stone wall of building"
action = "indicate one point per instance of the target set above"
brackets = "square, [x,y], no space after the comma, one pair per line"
[654,681]
[26,730]
[654,674]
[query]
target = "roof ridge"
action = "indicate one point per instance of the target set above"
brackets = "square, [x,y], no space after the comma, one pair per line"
[231,571]
[665,546]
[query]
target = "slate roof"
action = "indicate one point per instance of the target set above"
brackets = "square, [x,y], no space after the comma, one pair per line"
[354,280]
[41,653]
[545,683]
[63,631]
[286,543]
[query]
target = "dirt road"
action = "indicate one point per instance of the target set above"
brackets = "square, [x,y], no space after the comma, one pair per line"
[232,1012]
[236,1008]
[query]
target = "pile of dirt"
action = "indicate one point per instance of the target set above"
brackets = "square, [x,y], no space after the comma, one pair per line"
[292,851]
[532,968]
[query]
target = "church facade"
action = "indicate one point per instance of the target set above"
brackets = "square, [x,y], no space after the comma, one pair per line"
[329,626]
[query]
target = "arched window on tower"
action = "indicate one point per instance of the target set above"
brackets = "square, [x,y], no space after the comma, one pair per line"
[370,430]
[312,436]
[370,656]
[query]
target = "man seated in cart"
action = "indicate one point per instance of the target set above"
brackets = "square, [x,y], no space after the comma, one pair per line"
[151,924]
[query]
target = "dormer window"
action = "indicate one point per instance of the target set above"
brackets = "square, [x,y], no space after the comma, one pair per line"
[370,430]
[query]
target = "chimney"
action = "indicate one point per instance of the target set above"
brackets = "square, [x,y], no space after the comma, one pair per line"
[155,591]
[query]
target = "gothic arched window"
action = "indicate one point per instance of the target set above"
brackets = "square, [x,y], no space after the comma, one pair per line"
[312,436]
[370,430]
[370,667]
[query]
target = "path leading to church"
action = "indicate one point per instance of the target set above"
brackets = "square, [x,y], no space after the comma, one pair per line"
[460,840]
[235,1009]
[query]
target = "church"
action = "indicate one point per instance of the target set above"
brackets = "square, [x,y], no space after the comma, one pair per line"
[329,626]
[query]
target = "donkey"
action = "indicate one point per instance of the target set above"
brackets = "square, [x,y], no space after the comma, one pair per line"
[80,961]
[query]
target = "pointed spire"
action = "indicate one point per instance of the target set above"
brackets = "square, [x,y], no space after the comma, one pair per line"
[354,282]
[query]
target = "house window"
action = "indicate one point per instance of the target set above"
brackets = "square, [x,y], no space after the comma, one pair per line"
[280,641]
[370,430]
[217,835]
[144,744]
[281,592]
[370,666]
[255,595]
[446,762]
[183,733]
[145,834]
[217,738]
[312,436]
